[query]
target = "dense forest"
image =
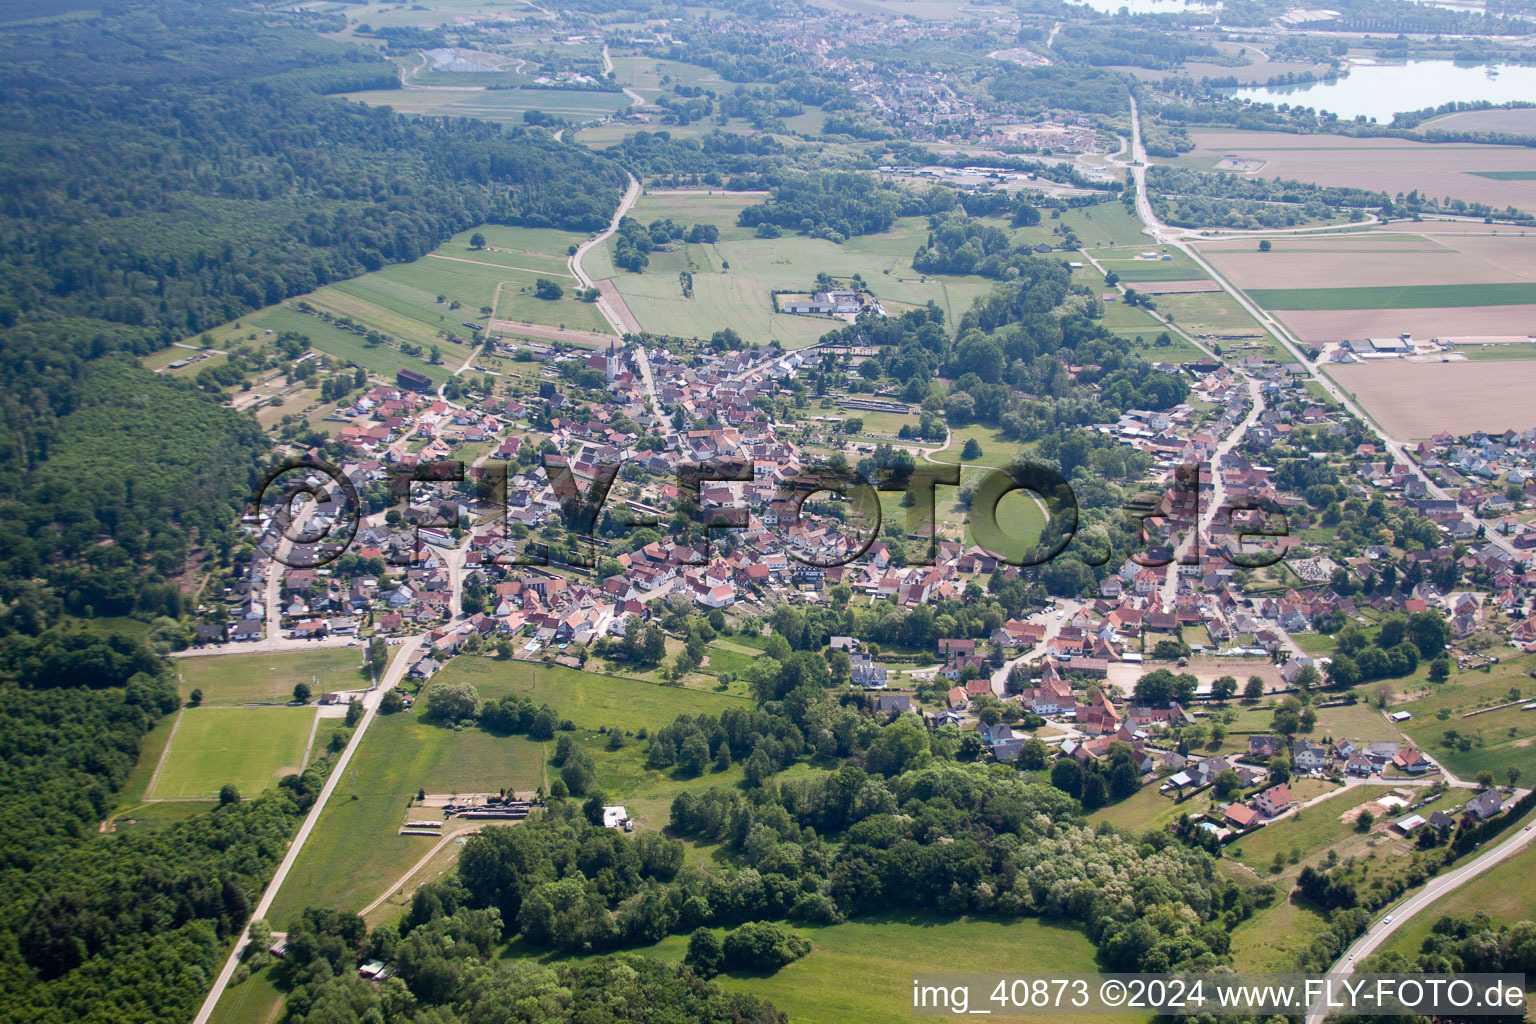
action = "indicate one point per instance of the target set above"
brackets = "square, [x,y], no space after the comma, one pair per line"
[122,927]
[166,170]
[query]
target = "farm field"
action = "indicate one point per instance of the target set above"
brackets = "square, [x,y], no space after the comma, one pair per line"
[861,970]
[401,300]
[1399,297]
[1405,398]
[1385,165]
[505,106]
[733,279]
[270,678]
[250,747]
[1378,260]
[1437,322]
[1519,121]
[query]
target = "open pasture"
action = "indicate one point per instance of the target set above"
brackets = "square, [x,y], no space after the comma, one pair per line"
[1408,399]
[861,970]
[250,747]
[734,278]
[1384,165]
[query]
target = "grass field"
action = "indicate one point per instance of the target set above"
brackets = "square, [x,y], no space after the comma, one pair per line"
[1512,350]
[355,853]
[270,678]
[1506,175]
[256,1000]
[1210,313]
[250,747]
[862,970]
[505,106]
[588,699]
[733,279]
[1124,262]
[1271,938]
[1311,831]
[1429,296]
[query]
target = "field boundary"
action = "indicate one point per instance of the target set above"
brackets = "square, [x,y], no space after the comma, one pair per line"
[165,752]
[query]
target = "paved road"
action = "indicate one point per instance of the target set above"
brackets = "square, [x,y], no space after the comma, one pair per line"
[605,302]
[1213,506]
[1368,943]
[634,97]
[1053,620]
[392,676]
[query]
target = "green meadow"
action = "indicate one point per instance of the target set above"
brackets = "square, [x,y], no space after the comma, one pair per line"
[270,678]
[734,278]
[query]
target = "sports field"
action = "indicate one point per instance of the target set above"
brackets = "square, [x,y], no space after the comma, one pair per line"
[250,747]
[1407,399]
[270,678]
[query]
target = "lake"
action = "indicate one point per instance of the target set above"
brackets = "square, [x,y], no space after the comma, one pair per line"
[1379,91]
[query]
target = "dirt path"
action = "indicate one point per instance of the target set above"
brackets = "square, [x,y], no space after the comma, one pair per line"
[569,334]
[499,266]
[155,778]
[399,883]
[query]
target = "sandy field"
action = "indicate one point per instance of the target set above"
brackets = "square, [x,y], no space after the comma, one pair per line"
[1435,322]
[1416,400]
[1517,122]
[1387,165]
